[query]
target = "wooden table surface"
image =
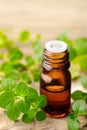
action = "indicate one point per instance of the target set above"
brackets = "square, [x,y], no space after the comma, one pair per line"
[49,18]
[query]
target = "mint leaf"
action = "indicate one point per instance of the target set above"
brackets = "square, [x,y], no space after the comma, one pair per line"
[41,101]
[79,107]
[83,80]
[13,112]
[23,106]
[6,98]
[8,84]
[15,54]
[73,124]
[29,117]
[41,115]
[24,36]
[26,77]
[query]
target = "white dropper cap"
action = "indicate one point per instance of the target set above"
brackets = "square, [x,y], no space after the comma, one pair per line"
[56,46]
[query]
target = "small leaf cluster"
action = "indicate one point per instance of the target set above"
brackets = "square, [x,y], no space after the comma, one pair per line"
[79,109]
[79,106]
[19,98]
[13,67]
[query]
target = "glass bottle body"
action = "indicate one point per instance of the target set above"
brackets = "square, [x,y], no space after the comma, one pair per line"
[55,83]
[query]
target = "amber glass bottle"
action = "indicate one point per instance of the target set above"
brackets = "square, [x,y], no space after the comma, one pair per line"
[55,80]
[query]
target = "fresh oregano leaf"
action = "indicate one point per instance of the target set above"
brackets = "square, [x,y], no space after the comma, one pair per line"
[37,46]
[81,45]
[30,61]
[24,36]
[72,52]
[31,95]
[13,111]
[41,101]
[81,61]
[13,74]
[29,117]
[36,74]
[75,71]
[41,115]
[23,106]
[3,40]
[15,54]
[22,89]
[83,80]
[6,66]
[6,98]
[73,124]
[79,107]
[77,95]
[8,84]
[26,77]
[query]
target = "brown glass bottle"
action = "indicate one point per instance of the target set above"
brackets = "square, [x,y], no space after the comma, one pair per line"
[55,80]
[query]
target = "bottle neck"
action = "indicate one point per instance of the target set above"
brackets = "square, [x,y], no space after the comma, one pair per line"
[56,60]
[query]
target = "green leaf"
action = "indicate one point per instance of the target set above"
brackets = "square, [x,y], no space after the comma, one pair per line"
[41,101]
[26,77]
[3,40]
[29,117]
[77,95]
[83,80]
[38,58]
[72,52]
[13,112]
[6,98]
[31,95]
[73,124]
[72,115]
[24,36]
[75,71]
[81,45]
[23,106]
[37,46]
[15,54]
[14,74]
[6,66]
[41,115]
[63,37]
[22,89]
[30,61]
[36,74]
[79,107]
[8,84]
[82,61]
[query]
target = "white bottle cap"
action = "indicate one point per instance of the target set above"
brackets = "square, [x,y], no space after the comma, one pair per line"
[56,46]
